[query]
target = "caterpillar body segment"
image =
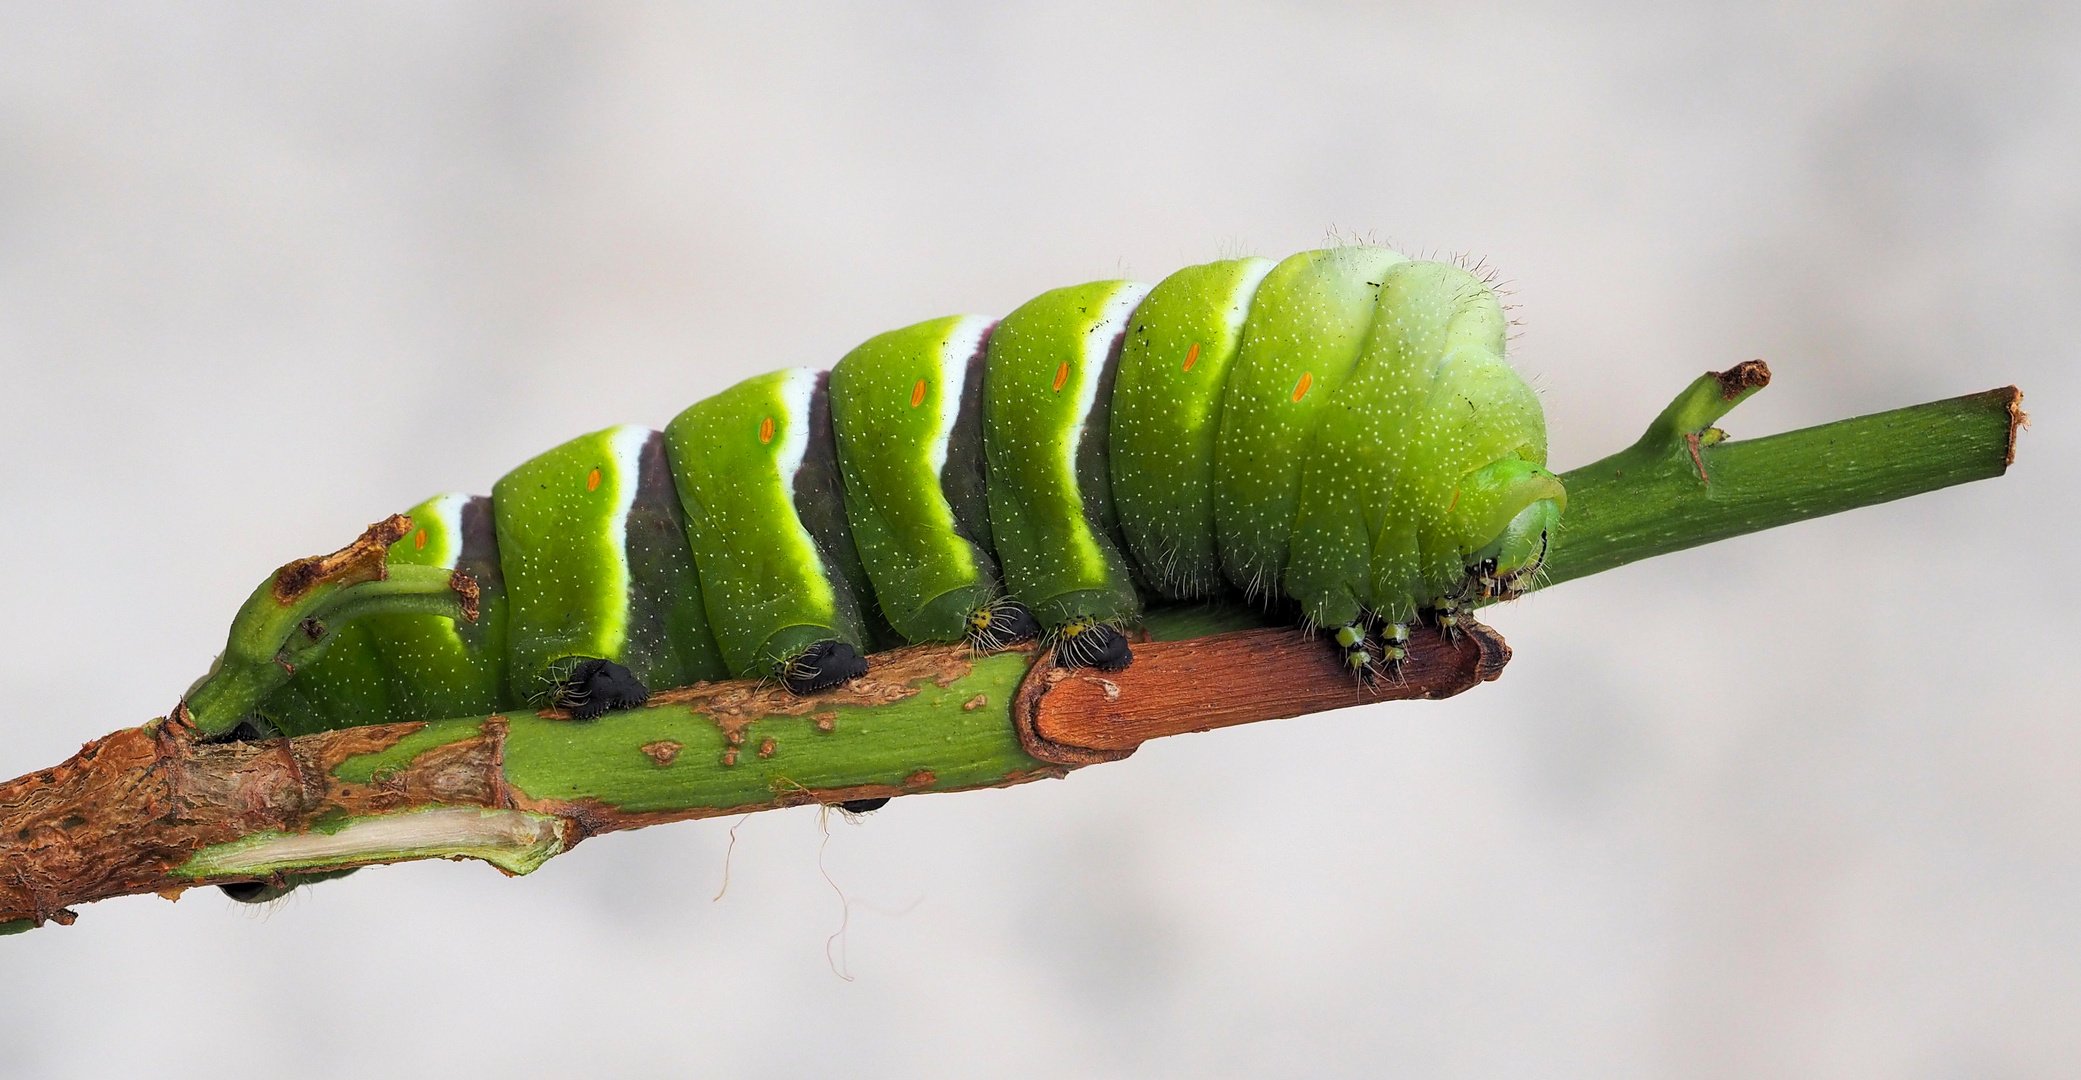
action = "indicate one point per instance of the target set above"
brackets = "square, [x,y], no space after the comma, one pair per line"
[1337,431]
[906,411]
[596,566]
[437,666]
[1308,321]
[755,471]
[1045,418]
[1166,417]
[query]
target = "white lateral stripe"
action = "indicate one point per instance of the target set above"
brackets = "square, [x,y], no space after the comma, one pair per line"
[626,444]
[1098,342]
[798,388]
[954,354]
[1246,291]
[447,508]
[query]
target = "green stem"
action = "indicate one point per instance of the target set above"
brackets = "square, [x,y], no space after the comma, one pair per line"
[1681,485]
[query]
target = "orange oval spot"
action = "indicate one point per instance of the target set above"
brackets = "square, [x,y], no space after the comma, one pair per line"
[1192,356]
[766,430]
[419,540]
[917,394]
[592,480]
[1300,389]
[1062,375]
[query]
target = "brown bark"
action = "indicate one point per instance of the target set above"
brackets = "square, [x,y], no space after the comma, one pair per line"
[119,817]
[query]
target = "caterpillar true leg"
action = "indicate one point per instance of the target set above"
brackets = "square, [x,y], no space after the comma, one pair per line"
[1394,647]
[1351,639]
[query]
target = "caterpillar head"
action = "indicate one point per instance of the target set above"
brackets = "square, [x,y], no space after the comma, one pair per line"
[1504,515]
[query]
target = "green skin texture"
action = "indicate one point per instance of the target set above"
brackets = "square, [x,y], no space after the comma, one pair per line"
[564,546]
[570,580]
[1051,512]
[892,400]
[346,687]
[1308,320]
[1386,508]
[1166,418]
[770,593]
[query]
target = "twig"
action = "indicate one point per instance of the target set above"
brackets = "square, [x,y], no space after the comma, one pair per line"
[160,809]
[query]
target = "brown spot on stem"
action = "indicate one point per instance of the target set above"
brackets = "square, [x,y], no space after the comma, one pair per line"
[1697,459]
[1741,378]
[923,778]
[976,702]
[895,676]
[826,721]
[663,751]
[465,588]
[767,746]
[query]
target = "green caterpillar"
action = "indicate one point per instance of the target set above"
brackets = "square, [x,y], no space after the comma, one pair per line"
[1337,433]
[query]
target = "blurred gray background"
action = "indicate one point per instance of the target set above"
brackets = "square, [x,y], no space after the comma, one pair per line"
[1800,804]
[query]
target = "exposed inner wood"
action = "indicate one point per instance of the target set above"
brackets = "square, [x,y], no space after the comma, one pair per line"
[1080,716]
